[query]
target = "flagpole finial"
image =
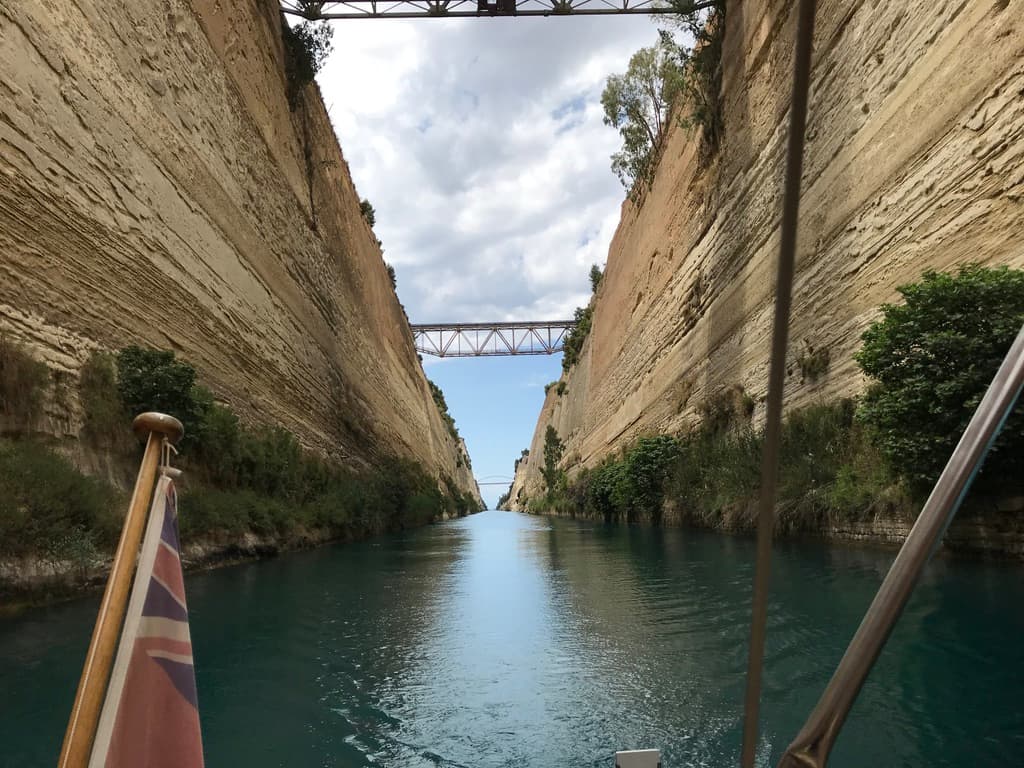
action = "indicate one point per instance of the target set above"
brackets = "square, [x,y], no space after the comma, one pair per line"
[168,426]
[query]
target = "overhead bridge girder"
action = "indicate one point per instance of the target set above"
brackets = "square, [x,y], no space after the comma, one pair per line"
[491,339]
[405,9]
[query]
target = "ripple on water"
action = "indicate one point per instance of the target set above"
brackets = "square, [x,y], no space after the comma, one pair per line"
[502,640]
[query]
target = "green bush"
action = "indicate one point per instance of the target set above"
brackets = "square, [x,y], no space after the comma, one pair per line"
[106,420]
[442,408]
[366,208]
[306,47]
[554,478]
[23,382]
[155,380]
[44,501]
[572,346]
[828,468]
[932,358]
[237,479]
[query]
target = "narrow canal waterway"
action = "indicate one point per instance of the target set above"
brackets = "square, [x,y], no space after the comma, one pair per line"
[505,640]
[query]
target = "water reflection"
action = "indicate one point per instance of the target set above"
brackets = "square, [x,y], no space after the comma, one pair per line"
[505,640]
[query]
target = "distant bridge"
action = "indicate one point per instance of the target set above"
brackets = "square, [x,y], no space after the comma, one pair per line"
[491,339]
[448,9]
[490,480]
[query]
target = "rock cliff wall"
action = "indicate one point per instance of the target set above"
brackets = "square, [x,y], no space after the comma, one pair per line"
[914,159]
[156,188]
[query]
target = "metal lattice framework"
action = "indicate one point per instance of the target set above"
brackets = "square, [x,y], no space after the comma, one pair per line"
[406,9]
[491,339]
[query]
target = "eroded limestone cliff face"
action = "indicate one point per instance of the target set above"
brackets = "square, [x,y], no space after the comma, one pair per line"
[157,189]
[914,159]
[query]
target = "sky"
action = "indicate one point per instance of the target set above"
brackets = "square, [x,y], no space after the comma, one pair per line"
[481,146]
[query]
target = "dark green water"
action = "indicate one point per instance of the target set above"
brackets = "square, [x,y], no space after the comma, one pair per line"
[503,640]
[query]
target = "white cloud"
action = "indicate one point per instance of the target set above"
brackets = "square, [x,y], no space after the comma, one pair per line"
[481,146]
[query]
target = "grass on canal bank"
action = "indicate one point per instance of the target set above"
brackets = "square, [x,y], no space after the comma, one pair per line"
[929,360]
[59,526]
[829,470]
[240,483]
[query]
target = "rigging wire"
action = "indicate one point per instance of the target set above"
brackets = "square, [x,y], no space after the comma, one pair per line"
[777,373]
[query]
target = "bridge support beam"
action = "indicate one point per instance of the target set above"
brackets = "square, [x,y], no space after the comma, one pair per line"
[491,339]
[406,9]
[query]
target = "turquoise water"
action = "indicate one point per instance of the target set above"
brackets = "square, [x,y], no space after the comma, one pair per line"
[505,640]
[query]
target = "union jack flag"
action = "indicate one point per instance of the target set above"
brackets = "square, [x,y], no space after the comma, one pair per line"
[150,717]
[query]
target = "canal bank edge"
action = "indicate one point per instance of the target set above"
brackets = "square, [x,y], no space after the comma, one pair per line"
[28,582]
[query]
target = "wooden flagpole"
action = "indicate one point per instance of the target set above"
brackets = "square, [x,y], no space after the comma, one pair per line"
[92,686]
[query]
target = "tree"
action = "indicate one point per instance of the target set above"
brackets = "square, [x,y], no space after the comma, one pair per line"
[699,64]
[637,103]
[369,214]
[932,358]
[154,380]
[306,47]
[595,277]
[553,450]
[572,344]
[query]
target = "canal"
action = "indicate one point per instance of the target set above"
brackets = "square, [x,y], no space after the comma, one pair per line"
[507,640]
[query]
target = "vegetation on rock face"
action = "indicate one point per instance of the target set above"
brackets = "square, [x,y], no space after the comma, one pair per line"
[813,362]
[47,506]
[306,47]
[369,214]
[23,383]
[637,104]
[503,499]
[595,277]
[106,419]
[572,346]
[524,454]
[442,408]
[665,79]
[237,479]
[155,380]
[829,470]
[449,421]
[699,65]
[630,486]
[932,358]
[554,478]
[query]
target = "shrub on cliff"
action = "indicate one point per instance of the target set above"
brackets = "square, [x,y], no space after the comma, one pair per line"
[306,46]
[106,422]
[572,346]
[366,208]
[632,485]
[637,104]
[442,408]
[700,65]
[155,380]
[46,505]
[932,357]
[668,78]
[23,382]
[553,450]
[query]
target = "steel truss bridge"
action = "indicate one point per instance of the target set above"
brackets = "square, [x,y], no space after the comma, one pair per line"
[441,9]
[491,339]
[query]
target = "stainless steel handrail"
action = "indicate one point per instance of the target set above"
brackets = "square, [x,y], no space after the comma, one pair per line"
[814,742]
